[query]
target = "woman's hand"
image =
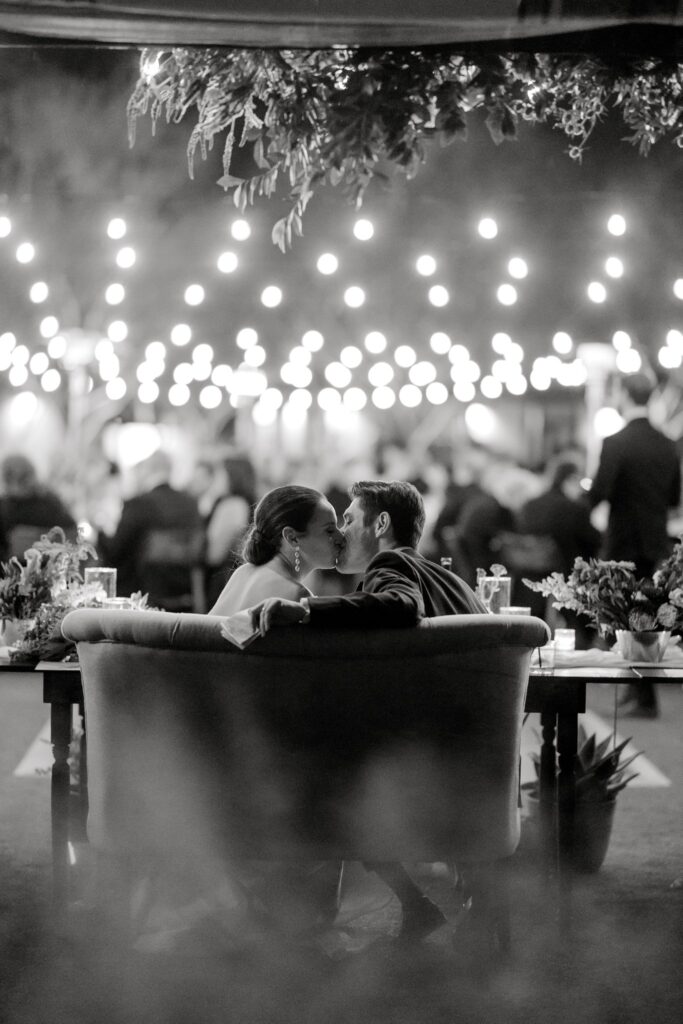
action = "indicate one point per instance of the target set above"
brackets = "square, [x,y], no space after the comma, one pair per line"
[276,611]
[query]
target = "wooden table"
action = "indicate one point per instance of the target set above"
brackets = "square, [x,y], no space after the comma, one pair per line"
[558,695]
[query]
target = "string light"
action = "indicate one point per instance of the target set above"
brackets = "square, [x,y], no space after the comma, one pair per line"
[240,230]
[436,393]
[312,340]
[375,342]
[506,294]
[354,297]
[25,252]
[327,263]
[596,291]
[616,225]
[117,330]
[404,356]
[518,268]
[49,325]
[116,228]
[246,337]
[383,398]
[38,292]
[363,229]
[125,257]
[179,394]
[440,343]
[194,295]
[487,228]
[438,295]
[562,342]
[614,267]
[380,374]
[227,262]
[425,265]
[5,226]
[271,296]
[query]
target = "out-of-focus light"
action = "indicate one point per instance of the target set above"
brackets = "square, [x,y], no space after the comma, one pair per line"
[596,291]
[363,229]
[338,375]
[194,294]
[22,408]
[669,358]
[296,375]
[506,294]
[469,371]
[246,337]
[18,375]
[49,326]
[312,340]
[491,387]
[25,252]
[678,287]
[621,340]
[607,421]
[614,267]
[629,361]
[20,355]
[375,342]
[271,296]
[502,369]
[500,342]
[116,228]
[38,292]
[221,375]
[56,346]
[383,398]
[516,385]
[300,398]
[436,393]
[155,351]
[210,397]
[329,398]
[438,295]
[5,227]
[148,392]
[114,294]
[380,374]
[104,349]
[410,396]
[125,257]
[440,343]
[458,354]
[351,356]
[201,371]
[50,380]
[354,296]
[355,399]
[272,397]
[7,341]
[464,391]
[301,355]
[425,265]
[115,389]
[674,339]
[540,380]
[255,356]
[39,363]
[518,268]
[515,353]
[562,342]
[263,415]
[227,262]
[487,227]
[404,355]
[145,372]
[178,394]
[327,263]
[181,334]
[616,224]
[183,373]
[422,373]
[117,330]
[240,230]
[110,367]
[202,353]
[480,421]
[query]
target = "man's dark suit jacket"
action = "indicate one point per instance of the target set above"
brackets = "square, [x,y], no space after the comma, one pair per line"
[639,475]
[555,515]
[161,508]
[399,588]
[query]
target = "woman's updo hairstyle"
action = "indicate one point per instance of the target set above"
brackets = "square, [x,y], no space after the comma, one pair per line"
[291,505]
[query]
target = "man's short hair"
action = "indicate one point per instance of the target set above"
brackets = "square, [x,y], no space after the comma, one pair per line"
[638,387]
[400,500]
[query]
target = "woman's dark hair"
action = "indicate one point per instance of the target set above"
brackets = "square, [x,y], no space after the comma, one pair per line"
[400,499]
[293,506]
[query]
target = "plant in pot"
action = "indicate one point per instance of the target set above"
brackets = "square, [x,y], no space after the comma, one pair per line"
[600,774]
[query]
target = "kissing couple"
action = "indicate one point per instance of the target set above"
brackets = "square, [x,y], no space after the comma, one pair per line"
[295,531]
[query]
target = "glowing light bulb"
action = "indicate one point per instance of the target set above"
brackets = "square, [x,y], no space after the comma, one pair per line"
[117,330]
[440,343]
[51,380]
[375,342]
[614,266]
[487,227]
[562,343]
[114,294]
[363,229]
[227,262]
[271,296]
[38,292]
[404,355]
[438,295]
[25,252]
[425,265]
[312,340]
[240,230]
[5,227]
[116,228]
[596,292]
[354,296]
[506,294]
[49,325]
[246,337]
[383,398]
[351,356]
[125,257]
[436,393]
[178,394]
[518,268]
[616,225]
[327,263]
[194,294]
[621,340]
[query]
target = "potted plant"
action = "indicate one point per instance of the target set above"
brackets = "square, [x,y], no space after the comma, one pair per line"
[640,613]
[600,774]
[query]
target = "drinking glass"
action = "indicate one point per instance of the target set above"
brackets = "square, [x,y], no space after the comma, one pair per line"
[494,592]
[105,580]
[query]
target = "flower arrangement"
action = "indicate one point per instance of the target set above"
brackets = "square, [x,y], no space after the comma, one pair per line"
[612,597]
[345,115]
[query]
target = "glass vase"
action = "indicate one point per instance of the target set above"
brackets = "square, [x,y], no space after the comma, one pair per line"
[648,645]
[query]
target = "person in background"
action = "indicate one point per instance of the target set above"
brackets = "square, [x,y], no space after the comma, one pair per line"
[639,475]
[27,507]
[159,511]
[226,506]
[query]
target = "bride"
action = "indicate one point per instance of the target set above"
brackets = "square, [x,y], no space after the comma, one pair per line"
[294,532]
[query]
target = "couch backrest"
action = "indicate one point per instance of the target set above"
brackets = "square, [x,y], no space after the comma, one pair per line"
[378,744]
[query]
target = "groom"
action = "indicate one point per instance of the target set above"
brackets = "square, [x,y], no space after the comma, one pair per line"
[382,528]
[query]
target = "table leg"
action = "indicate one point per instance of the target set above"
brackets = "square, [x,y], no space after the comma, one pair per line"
[566,749]
[548,794]
[60,725]
[83,774]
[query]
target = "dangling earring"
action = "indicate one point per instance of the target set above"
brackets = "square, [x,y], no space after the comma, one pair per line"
[297,561]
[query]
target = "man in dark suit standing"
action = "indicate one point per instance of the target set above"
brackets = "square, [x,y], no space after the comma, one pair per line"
[382,528]
[639,475]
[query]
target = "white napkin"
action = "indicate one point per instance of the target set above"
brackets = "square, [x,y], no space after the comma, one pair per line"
[239,629]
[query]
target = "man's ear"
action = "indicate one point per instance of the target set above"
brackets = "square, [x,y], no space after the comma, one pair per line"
[382,524]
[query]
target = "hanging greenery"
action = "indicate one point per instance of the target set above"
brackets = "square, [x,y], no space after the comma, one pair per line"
[345,116]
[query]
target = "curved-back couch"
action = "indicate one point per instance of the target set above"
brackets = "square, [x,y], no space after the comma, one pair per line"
[393,744]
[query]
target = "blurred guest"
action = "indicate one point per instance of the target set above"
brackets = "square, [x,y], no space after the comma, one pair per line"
[28,508]
[639,476]
[157,543]
[464,486]
[226,507]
